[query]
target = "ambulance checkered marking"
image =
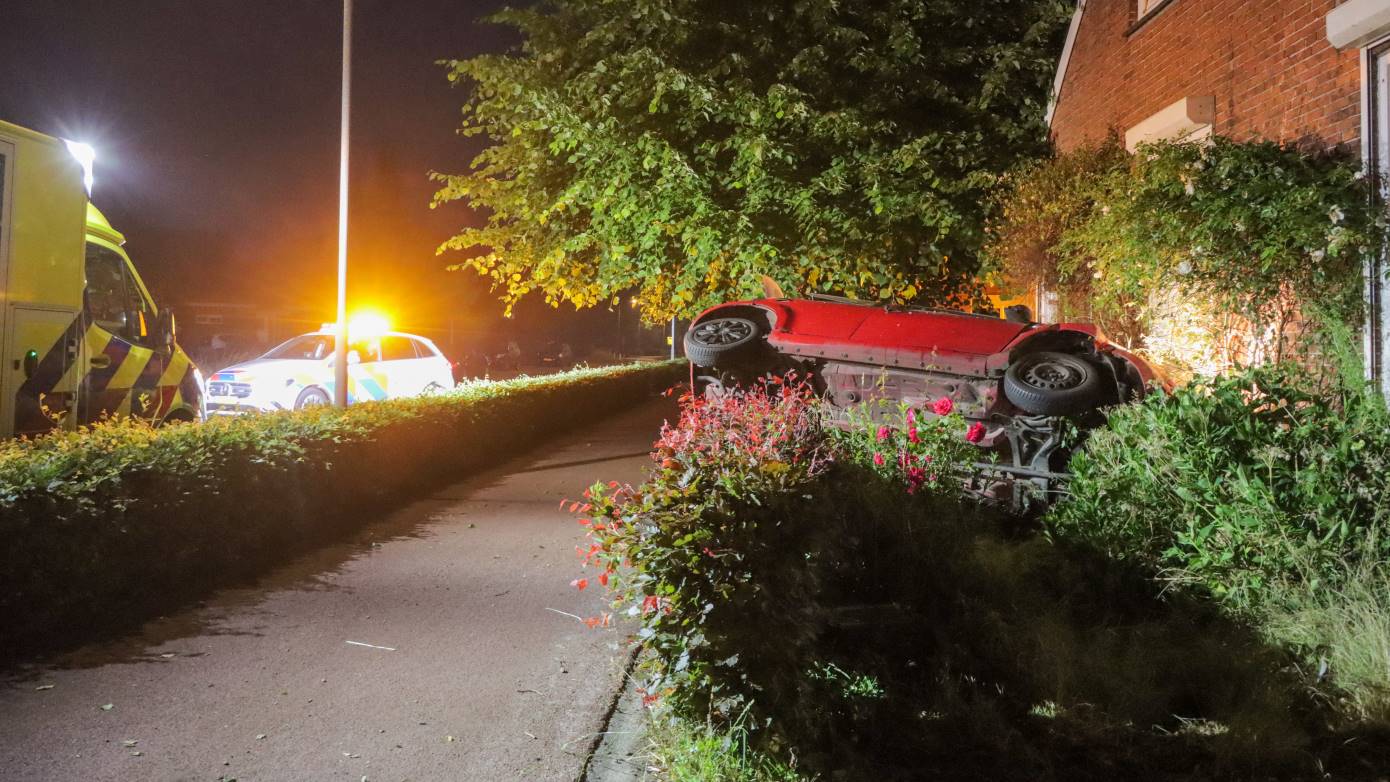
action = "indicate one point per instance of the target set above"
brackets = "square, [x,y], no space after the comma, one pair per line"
[133,380]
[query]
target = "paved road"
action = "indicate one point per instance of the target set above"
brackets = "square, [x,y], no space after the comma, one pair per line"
[486,675]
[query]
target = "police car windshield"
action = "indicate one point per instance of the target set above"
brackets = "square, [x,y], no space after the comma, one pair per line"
[310,347]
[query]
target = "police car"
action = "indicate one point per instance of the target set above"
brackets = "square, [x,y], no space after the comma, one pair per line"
[299,373]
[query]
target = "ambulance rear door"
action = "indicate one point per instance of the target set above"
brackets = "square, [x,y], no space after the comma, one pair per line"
[40,377]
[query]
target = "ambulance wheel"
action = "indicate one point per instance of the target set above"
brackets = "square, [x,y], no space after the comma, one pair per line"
[311,397]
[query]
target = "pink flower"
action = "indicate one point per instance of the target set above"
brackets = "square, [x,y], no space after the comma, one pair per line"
[915,477]
[883,432]
[975,433]
[878,458]
[943,406]
[912,434]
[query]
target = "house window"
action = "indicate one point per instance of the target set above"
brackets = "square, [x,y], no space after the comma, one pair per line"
[1147,7]
[1377,149]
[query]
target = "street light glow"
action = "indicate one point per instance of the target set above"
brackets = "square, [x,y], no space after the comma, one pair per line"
[368,324]
[87,156]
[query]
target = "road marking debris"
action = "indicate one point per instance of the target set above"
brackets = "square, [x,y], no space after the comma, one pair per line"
[566,613]
[372,646]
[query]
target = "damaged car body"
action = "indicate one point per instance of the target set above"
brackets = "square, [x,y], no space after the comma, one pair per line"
[1030,384]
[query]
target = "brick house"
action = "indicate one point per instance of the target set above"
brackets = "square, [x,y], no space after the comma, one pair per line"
[1306,71]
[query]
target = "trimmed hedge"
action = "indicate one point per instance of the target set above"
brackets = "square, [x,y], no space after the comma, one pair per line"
[114,522]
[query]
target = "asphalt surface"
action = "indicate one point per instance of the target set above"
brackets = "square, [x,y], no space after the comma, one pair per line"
[443,642]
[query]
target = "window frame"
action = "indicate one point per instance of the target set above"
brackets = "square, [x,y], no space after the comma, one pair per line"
[1375,141]
[410,353]
[1144,10]
[137,303]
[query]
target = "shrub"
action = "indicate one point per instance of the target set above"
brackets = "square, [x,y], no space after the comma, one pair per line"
[929,450]
[111,522]
[1254,240]
[1237,483]
[702,538]
[788,592]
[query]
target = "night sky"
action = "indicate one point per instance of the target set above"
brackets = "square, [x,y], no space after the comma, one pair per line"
[216,129]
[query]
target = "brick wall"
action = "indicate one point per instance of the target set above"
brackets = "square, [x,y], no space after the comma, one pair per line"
[1267,62]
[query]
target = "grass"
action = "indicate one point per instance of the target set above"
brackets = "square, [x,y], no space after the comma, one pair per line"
[683,751]
[1344,635]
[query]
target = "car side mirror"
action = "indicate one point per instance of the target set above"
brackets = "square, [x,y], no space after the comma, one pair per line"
[166,330]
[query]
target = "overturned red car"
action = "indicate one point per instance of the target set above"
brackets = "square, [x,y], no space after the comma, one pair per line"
[1023,380]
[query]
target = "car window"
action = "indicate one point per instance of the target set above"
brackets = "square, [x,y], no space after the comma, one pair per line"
[397,349]
[311,347]
[421,349]
[368,350]
[113,300]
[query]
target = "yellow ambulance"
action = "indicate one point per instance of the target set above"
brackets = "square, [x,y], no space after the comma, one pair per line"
[81,336]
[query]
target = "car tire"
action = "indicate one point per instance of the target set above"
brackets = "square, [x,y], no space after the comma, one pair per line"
[1051,383]
[720,341]
[311,397]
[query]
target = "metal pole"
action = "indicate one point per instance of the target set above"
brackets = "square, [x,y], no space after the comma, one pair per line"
[340,369]
[673,338]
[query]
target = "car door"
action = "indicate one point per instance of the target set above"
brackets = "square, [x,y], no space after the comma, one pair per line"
[404,368]
[436,373]
[368,378]
[125,367]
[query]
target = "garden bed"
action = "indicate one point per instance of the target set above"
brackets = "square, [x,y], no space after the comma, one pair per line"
[107,525]
[829,603]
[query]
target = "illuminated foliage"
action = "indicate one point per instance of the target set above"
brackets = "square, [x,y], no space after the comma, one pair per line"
[1258,238]
[682,149]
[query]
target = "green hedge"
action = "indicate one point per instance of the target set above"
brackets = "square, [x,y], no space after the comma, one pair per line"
[108,524]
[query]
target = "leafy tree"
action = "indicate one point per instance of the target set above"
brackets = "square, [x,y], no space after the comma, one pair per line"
[683,148]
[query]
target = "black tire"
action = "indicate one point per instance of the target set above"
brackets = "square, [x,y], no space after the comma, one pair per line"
[311,397]
[721,341]
[1050,383]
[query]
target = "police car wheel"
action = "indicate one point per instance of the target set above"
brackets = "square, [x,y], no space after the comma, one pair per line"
[311,397]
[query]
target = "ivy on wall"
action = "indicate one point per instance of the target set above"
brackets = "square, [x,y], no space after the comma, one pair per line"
[1238,250]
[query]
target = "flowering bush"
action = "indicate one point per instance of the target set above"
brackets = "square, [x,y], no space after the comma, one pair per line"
[690,552]
[923,450]
[769,434]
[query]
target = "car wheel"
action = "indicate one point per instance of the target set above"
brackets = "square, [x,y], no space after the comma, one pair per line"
[311,397]
[1050,383]
[715,341]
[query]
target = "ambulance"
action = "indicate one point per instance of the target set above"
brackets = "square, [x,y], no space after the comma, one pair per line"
[81,337]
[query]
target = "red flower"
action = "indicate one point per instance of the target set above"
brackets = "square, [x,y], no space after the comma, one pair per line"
[580,583]
[912,434]
[943,406]
[883,432]
[603,578]
[649,603]
[878,459]
[975,433]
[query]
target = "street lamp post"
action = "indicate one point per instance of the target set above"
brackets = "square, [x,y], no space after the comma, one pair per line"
[340,369]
